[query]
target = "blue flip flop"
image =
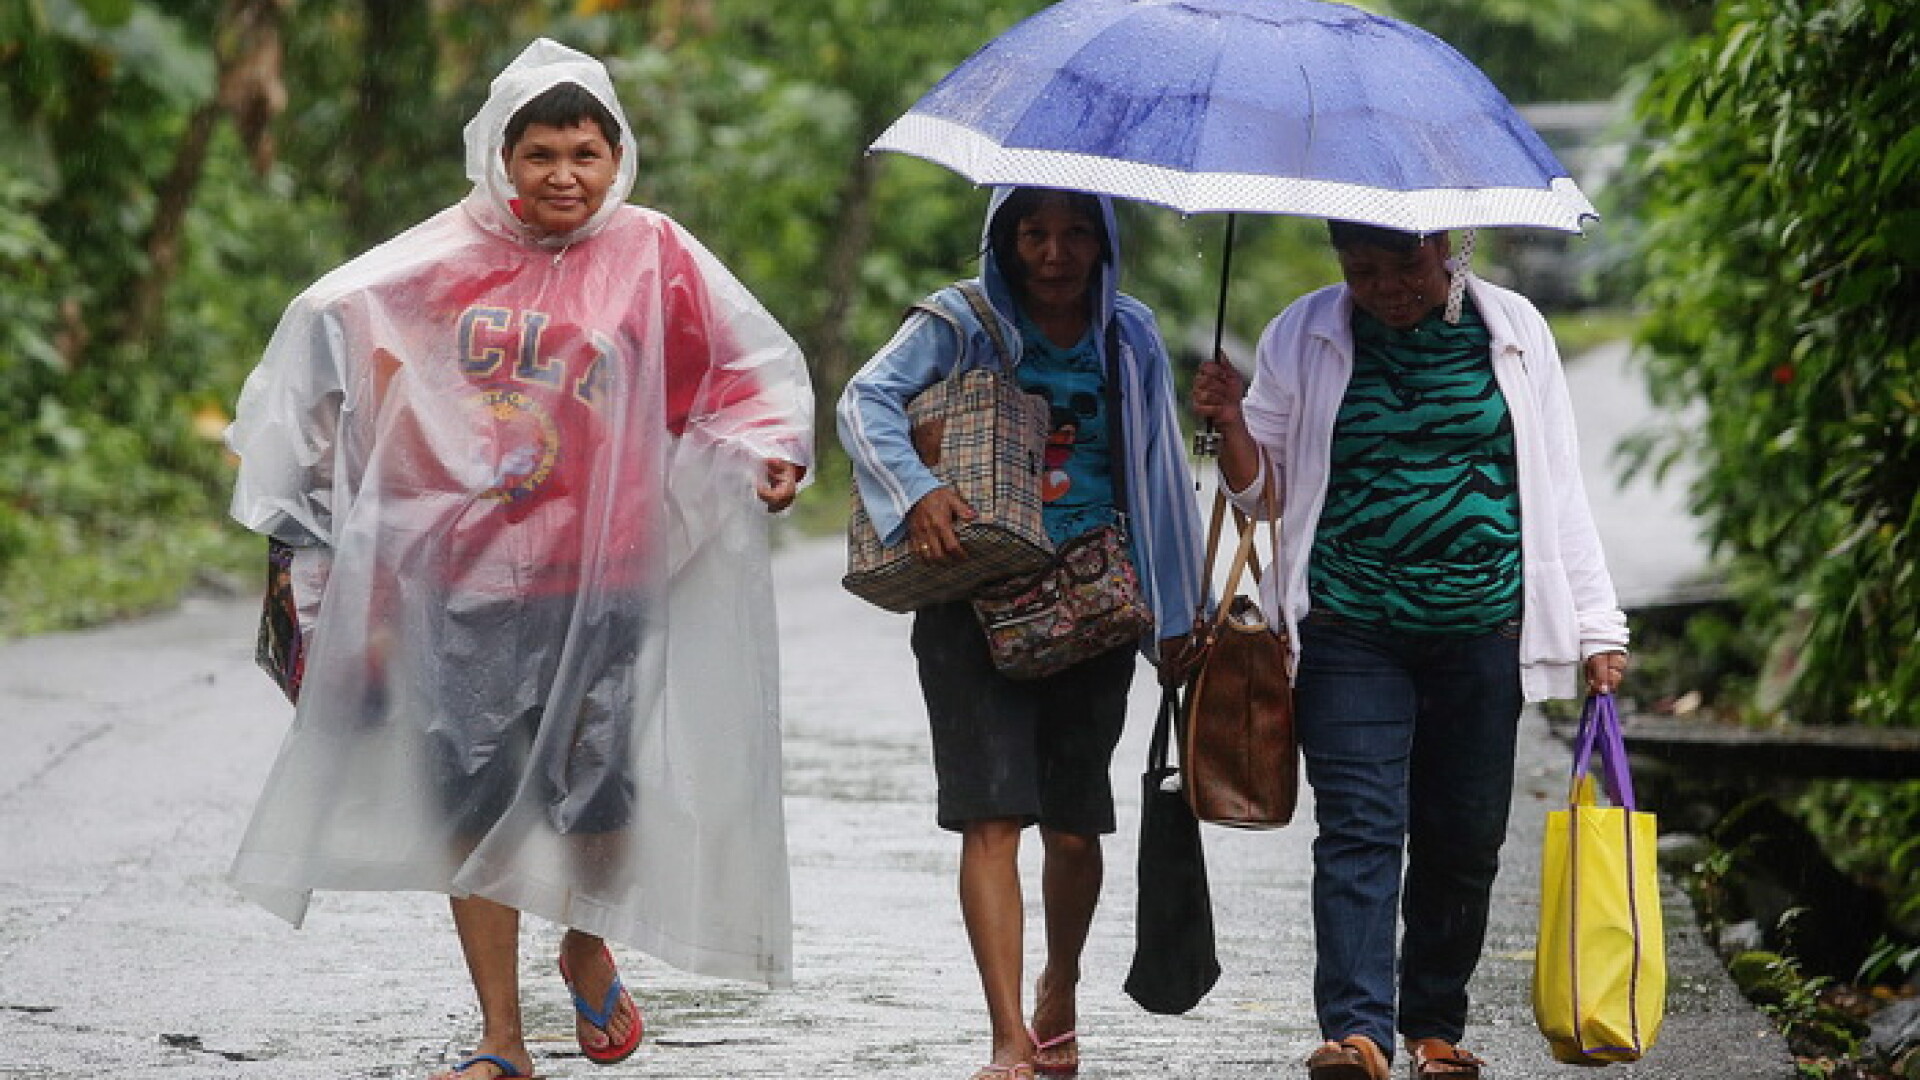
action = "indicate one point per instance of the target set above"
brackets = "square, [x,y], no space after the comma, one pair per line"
[508,1070]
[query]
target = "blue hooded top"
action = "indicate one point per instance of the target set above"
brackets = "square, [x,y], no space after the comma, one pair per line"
[891,478]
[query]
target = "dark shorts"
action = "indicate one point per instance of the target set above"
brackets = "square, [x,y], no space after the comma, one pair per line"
[507,721]
[1038,750]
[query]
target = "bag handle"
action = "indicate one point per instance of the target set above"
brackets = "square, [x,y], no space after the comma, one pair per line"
[989,321]
[1244,556]
[1158,748]
[1600,732]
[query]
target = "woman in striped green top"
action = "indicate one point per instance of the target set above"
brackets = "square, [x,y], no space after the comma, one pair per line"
[1439,569]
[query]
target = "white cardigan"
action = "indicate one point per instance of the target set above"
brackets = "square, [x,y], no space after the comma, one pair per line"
[1305,360]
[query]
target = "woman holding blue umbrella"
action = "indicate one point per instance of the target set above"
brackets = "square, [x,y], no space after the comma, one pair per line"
[1439,569]
[1009,753]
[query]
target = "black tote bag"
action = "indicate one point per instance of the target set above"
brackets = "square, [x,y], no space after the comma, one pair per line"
[1174,963]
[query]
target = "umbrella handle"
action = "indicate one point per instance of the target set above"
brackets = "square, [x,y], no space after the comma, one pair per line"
[1207,443]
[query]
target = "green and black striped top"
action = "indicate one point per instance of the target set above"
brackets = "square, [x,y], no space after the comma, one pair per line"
[1421,528]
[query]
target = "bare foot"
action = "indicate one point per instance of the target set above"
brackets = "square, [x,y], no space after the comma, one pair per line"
[588,968]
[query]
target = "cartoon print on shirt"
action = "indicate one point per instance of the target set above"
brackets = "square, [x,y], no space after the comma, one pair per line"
[1054,479]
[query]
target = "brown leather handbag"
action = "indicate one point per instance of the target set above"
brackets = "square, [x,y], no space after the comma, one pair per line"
[1239,757]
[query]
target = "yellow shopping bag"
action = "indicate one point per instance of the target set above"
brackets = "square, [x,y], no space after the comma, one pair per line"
[1600,967]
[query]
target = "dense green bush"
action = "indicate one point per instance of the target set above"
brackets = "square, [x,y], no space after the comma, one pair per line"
[1781,196]
[1782,201]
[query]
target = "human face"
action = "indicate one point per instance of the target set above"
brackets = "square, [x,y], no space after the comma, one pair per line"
[1397,287]
[1058,248]
[561,174]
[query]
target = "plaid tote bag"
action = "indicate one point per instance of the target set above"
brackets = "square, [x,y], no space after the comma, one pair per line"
[984,436]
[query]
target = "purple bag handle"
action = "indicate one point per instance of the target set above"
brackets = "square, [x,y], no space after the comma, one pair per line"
[1600,729]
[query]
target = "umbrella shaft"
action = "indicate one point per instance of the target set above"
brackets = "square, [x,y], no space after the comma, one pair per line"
[1207,443]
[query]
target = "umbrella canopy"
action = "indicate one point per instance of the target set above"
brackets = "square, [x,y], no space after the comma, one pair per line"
[1297,107]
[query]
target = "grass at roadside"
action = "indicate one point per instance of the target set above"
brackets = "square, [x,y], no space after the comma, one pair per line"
[59,579]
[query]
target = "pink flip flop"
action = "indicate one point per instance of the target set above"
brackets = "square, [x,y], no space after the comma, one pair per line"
[1065,1067]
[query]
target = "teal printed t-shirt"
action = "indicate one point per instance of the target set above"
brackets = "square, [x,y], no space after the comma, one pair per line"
[1076,478]
[1421,530]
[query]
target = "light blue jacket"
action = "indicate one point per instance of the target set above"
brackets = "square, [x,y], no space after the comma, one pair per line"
[1163,509]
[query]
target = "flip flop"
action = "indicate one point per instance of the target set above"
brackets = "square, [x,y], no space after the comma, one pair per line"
[603,1016]
[508,1070]
[1355,1057]
[1431,1059]
[1022,1071]
[1066,1067]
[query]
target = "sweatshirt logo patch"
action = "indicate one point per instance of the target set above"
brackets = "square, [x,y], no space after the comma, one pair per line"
[519,444]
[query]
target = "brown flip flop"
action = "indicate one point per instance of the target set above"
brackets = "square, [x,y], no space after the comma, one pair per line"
[1355,1057]
[1438,1059]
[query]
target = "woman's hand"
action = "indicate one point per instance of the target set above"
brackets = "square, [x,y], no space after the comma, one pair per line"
[1604,672]
[1217,390]
[781,484]
[931,524]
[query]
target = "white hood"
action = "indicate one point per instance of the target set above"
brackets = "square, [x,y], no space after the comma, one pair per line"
[540,67]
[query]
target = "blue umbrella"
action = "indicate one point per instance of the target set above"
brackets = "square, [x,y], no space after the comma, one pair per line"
[1298,107]
[1267,106]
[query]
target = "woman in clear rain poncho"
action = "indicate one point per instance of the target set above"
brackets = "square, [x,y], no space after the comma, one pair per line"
[525,452]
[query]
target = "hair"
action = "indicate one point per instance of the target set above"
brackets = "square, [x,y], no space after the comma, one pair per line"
[563,105]
[1003,233]
[1347,235]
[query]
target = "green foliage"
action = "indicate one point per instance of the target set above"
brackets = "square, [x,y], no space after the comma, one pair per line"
[1872,831]
[32,272]
[97,106]
[1707,652]
[1892,963]
[1548,50]
[1813,1027]
[1780,197]
[93,527]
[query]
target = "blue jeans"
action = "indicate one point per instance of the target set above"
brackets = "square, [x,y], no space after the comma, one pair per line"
[1408,741]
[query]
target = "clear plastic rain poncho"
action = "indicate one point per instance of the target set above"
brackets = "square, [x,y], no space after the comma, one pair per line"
[520,472]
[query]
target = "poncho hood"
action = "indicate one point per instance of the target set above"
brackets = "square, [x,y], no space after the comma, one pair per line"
[540,67]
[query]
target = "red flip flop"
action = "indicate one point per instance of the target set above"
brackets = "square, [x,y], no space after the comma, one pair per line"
[603,1016]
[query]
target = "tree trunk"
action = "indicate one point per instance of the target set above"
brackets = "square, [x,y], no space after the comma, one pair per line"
[169,221]
[247,47]
[852,231]
[395,76]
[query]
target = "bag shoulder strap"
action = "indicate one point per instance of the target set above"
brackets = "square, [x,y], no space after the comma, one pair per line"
[1116,422]
[989,320]
[983,312]
[969,290]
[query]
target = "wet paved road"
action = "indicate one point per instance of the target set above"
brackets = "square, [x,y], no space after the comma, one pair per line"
[131,757]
